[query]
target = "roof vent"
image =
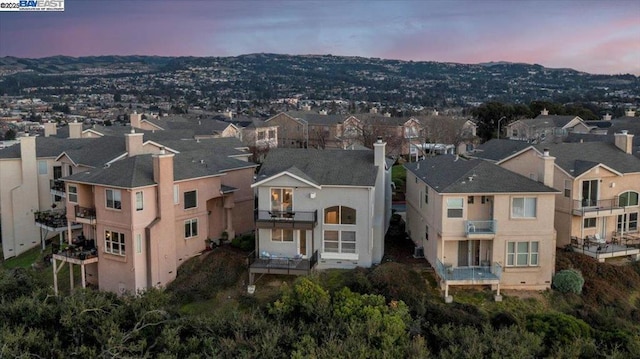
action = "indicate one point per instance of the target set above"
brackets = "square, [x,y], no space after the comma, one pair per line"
[470,178]
[201,161]
[379,140]
[624,132]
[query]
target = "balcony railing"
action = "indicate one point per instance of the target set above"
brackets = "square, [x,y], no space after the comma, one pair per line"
[264,263]
[480,227]
[593,206]
[469,275]
[288,219]
[85,214]
[51,218]
[57,185]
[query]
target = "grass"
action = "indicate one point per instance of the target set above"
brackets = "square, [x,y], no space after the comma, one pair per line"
[25,260]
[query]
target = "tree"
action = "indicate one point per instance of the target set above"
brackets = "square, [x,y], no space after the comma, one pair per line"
[10,135]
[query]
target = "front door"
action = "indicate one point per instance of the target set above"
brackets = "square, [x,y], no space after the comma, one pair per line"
[590,193]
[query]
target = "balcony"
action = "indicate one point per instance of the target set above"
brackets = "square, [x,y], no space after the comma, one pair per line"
[597,208]
[621,245]
[469,275]
[485,229]
[85,215]
[57,187]
[55,221]
[280,265]
[286,220]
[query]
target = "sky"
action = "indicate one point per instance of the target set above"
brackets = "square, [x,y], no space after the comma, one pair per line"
[600,37]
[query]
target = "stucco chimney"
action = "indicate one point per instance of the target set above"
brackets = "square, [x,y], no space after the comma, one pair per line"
[135,119]
[544,112]
[133,143]
[606,117]
[630,113]
[163,176]
[373,110]
[386,114]
[50,129]
[624,141]
[75,129]
[547,168]
[380,197]
[28,157]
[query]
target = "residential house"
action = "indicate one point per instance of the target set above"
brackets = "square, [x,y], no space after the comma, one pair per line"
[481,224]
[324,208]
[597,213]
[146,214]
[546,128]
[293,132]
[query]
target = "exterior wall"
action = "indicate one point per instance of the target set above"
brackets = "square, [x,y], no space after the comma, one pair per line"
[291,133]
[19,199]
[243,199]
[359,198]
[250,137]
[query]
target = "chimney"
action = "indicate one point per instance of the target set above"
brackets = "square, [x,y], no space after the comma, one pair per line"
[75,129]
[306,107]
[544,112]
[387,114]
[624,141]
[606,117]
[381,200]
[373,110]
[323,112]
[630,113]
[50,129]
[133,143]
[547,168]
[28,158]
[135,119]
[229,114]
[162,251]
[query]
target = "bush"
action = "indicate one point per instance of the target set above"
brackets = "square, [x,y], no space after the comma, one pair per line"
[568,281]
[245,242]
[558,328]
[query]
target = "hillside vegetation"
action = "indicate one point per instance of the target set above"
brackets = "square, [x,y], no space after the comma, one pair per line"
[389,311]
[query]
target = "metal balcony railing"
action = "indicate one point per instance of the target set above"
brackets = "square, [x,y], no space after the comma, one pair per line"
[480,227]
[447,272]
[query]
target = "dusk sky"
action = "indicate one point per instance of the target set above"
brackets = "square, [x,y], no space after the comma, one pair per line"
[587,35]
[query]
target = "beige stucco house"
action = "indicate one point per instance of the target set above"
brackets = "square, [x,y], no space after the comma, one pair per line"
[480,224]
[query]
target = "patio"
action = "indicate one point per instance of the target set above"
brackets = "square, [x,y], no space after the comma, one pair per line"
[601,250]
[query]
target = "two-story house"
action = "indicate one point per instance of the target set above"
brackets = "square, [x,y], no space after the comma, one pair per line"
[546,128]
[321,208]
[480,224]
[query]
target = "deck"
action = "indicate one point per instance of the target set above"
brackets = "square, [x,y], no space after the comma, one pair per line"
[280,265]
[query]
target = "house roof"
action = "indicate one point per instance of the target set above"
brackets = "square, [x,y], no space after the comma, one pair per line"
[451,174]
[317,119]
[322,167]
[496,150]
[548,121]
[137,171]
[577,158]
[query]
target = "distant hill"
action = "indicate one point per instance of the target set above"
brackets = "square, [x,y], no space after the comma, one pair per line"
[272,76]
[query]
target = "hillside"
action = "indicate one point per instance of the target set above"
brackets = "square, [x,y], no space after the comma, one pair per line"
[322,77]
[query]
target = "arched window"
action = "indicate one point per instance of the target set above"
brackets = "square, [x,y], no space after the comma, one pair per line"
[339,215]
[629,198]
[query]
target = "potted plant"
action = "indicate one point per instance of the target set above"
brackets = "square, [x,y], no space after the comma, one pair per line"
[224,236]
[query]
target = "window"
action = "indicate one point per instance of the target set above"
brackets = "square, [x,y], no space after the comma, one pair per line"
[282,235]
[114,243]
[72,194]
[589,223]
[339,215]
[138,243]
[628,198]
[426,195]
[114,199]
[567,188]
[139,201]
[523,207]
[57,172]
[426,233]
[191,228]
[260,135]
[470,200]
[176,194]
[522,254]
[454,207]
[190,199]
[282,199]
[272,134]
[43,169]
[628,222]
[340,241]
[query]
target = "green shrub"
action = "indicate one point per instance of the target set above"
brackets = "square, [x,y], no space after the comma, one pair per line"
[558,328]
[568,281]
[245,242]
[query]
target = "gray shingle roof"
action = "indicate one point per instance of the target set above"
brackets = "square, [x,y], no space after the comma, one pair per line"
[449,174]
[322,167]
[496,150]
[548,121]
[313,118]
[575,158]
